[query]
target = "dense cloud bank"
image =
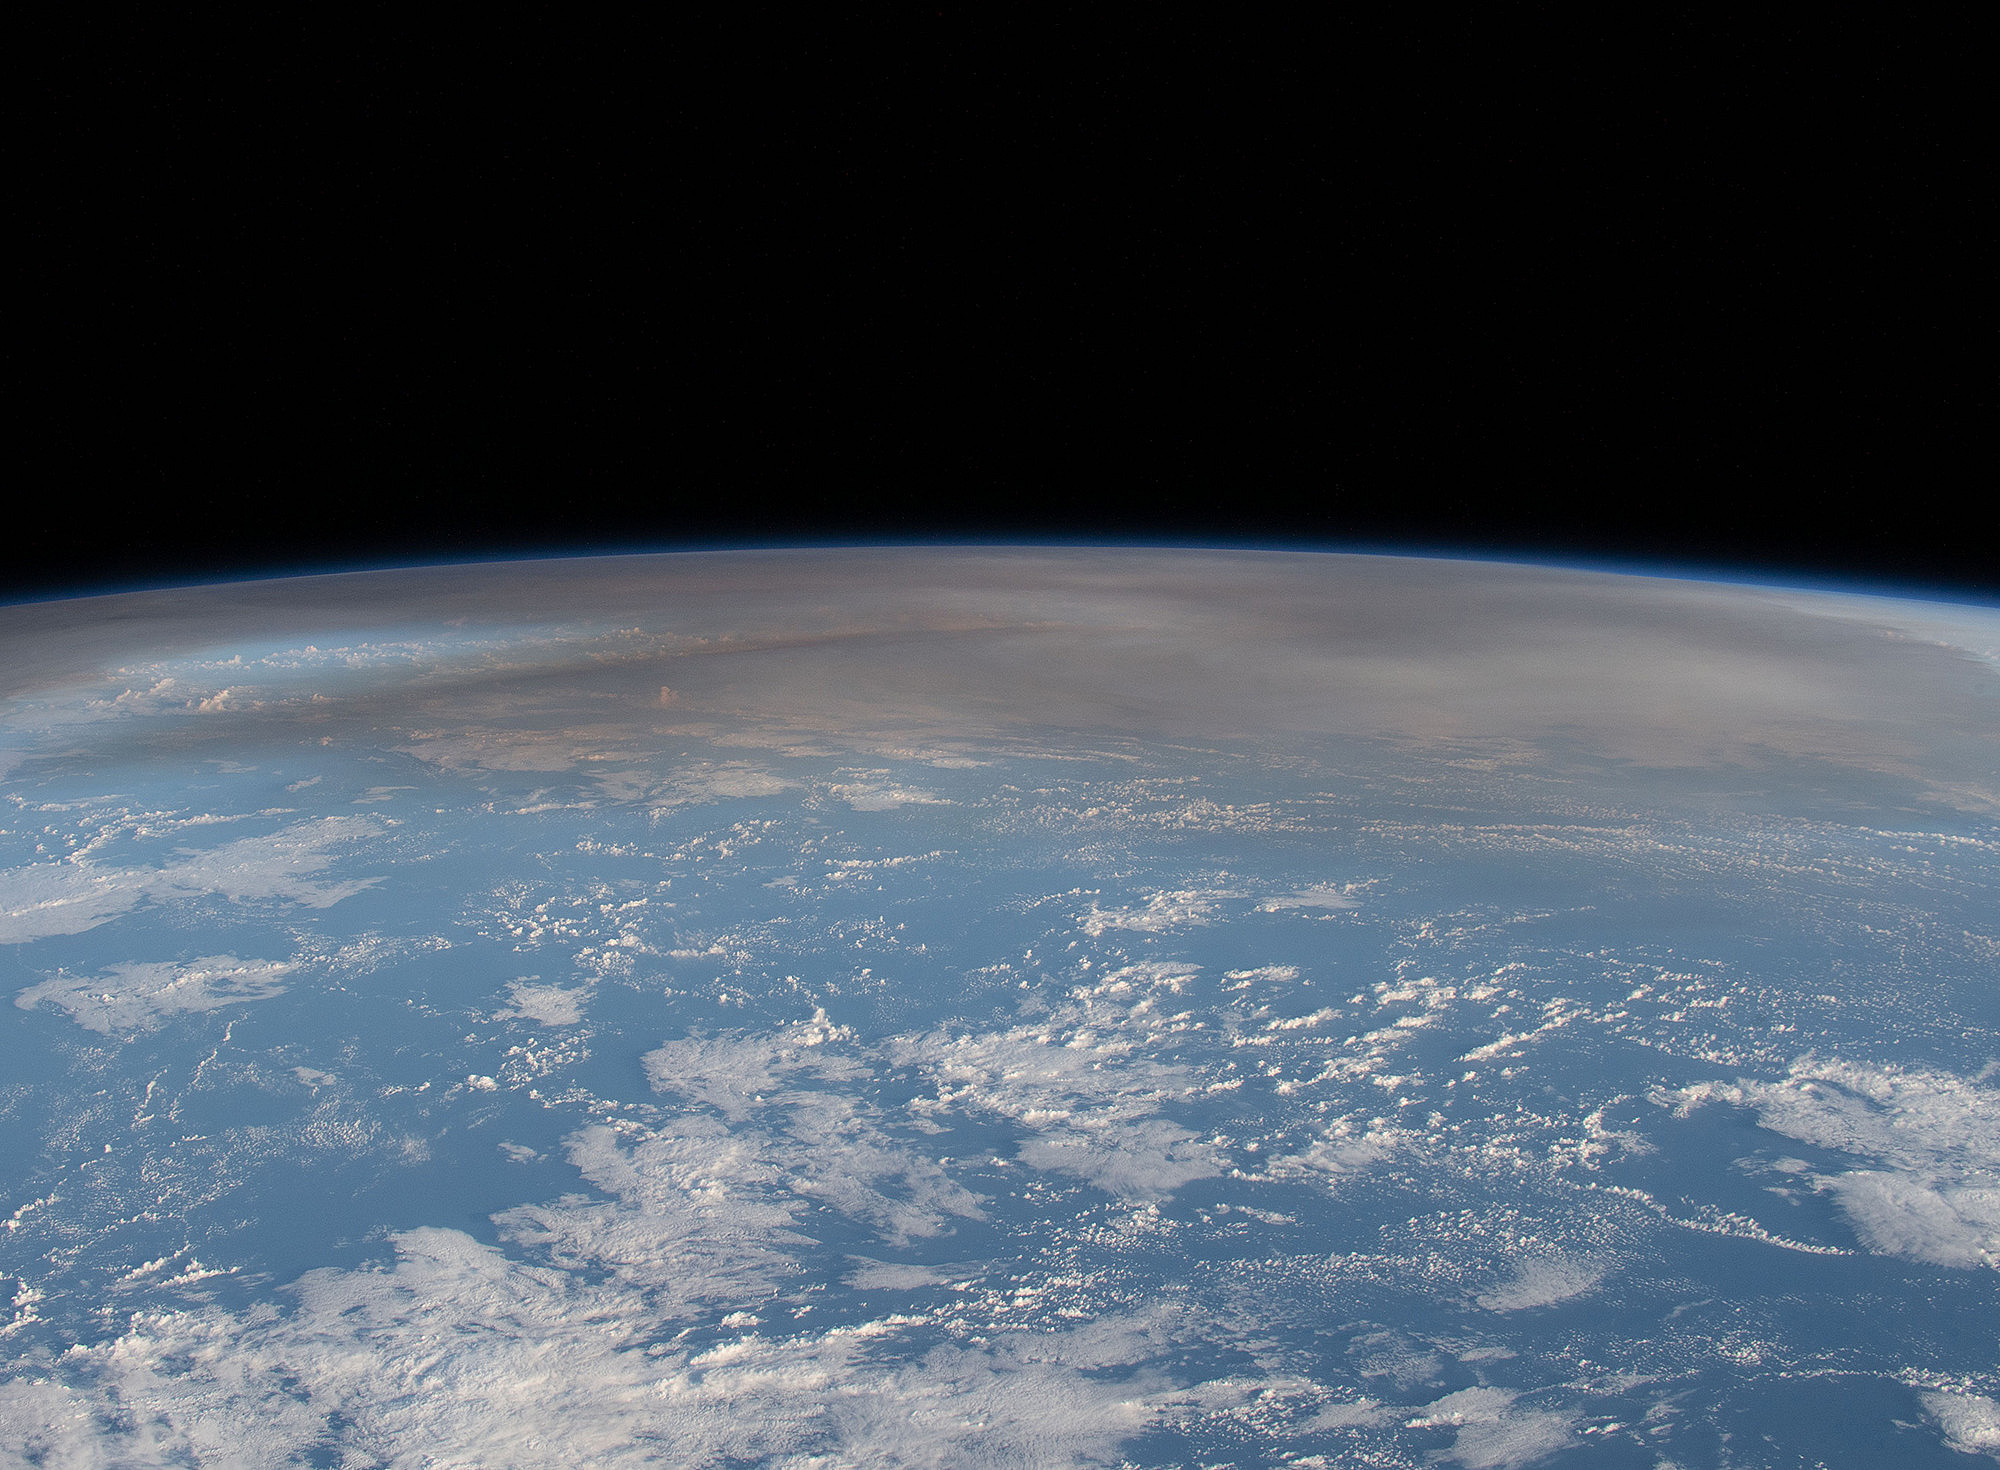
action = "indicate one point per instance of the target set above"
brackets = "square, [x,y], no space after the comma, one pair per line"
[1271,646]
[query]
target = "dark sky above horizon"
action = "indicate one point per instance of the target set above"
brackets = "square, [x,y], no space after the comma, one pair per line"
[309,301]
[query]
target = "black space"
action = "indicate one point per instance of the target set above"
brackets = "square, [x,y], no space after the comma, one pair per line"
[316,296]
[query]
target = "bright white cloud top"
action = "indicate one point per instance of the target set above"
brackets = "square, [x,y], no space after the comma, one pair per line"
[999,1008]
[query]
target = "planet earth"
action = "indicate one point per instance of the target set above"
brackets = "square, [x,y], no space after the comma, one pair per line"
[999,1007]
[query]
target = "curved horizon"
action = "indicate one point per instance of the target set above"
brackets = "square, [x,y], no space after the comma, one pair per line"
[1748,572]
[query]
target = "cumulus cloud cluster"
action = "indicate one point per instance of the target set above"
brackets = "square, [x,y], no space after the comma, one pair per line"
[77,893]
[887,644]
[1970,1422]
[548,1005]
[1495,1432]
[1162,913]
[1544,1280]
[1315,896]
[624,1328]
[455,1354]
[881,795]
[828,1144]
[146,995]
[1082,1081]
[1930,1187]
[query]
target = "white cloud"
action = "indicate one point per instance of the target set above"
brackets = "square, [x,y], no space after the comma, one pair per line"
[1317,896]
[1969,1422]
[1493,1432]
[1274,974]
[726,781]
[1183,909]
[695,1216]
[1139,1161]
[145,995]
[1092,1108]
[71,896]
[1520,1438]
[1083,1082]
[43,899]
[1137,988]
[49,1423]
[1935,1139]
[1466,1406]
[550,1005]
[1342,1150]
[485,749]
[704,782]
[1362,1413]
[827,1146]
[282,866]
[883,796]
[737,1075]
[1925,1220]
[578,1352]
[1542,1281]
[893,1276]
